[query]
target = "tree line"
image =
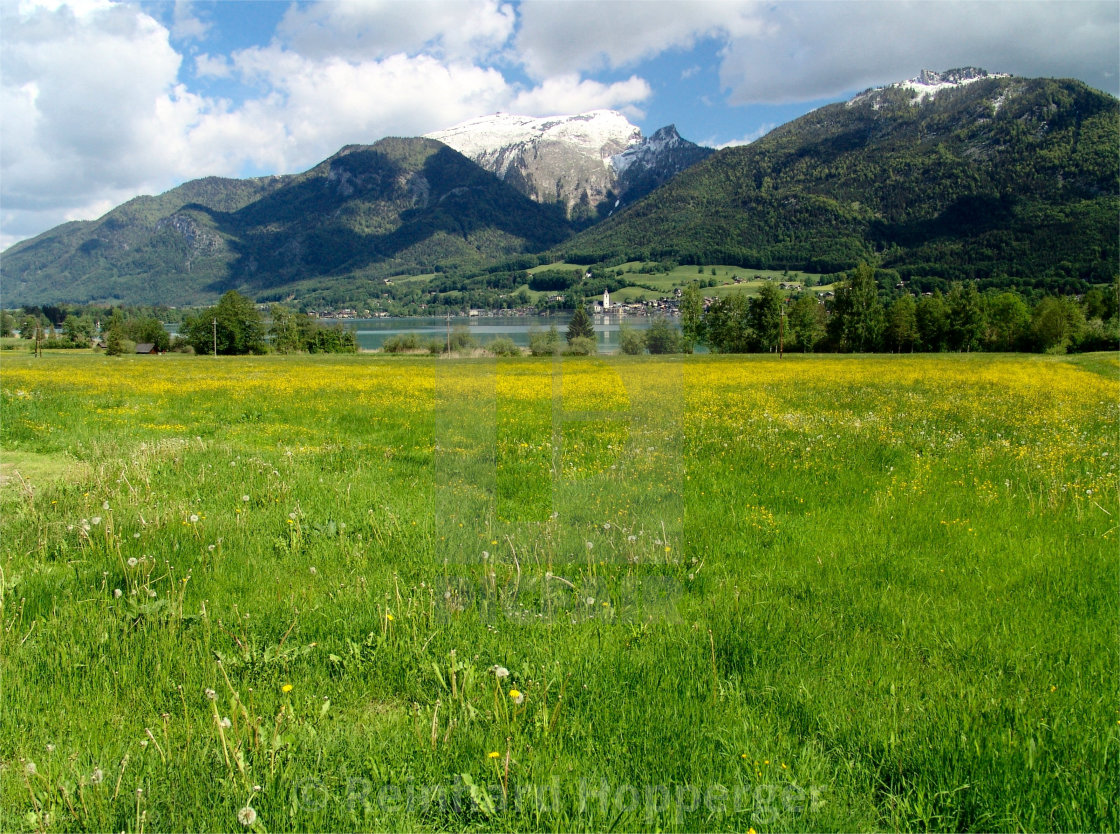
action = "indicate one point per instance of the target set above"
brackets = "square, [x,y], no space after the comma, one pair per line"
[234,326]
[860,319]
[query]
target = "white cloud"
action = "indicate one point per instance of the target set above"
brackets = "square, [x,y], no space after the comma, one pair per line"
[812,50]
[371,29]
[186,24]
[753,136]
[570,94]
[561,36]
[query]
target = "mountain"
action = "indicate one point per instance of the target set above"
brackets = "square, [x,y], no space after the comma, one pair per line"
[589,163]
[368,212]
[957,175]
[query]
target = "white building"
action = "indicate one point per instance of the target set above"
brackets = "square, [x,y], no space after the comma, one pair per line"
[606,300]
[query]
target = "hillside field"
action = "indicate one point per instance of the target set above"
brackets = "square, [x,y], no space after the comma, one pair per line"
[705,593]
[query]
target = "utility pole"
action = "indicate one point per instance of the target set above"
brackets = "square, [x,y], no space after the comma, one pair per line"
[448,332]
[215,323]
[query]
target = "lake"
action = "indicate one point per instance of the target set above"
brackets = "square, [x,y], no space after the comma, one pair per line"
[373,332]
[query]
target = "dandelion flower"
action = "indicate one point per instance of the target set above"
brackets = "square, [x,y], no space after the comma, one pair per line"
[517,696]
[493,754]
[390,617]
[247,816]
[287,687]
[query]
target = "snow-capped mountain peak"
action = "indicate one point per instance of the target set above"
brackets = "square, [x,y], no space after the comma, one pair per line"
[581,161]
[598,134]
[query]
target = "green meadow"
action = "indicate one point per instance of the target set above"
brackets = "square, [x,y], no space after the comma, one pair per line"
[703,593]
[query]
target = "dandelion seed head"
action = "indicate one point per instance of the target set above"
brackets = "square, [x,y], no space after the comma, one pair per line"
[117,593]
[194,518]
[211,694]
[133,561]
[97,777]
[225,723]
[247,816]
[499,671]
[95,520]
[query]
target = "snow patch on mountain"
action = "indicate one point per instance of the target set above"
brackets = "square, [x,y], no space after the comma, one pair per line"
[647,152]
[928,84]
[598,135]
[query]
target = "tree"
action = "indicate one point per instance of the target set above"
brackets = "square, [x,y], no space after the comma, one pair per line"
[148,329]
[807,322]
[857,318]
[1055,323]
[114,342]
[966,317]
[580,325]
[766,316]
[692,317]
[28,326]
[902,323]
[78,329]
[932,318]
[662,337]
[727,325]
[1009,322]
[631,341]
[238,326]
[6,323]
[285,330]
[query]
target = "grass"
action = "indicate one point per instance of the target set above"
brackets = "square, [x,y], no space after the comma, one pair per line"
[680,277]
[822,593]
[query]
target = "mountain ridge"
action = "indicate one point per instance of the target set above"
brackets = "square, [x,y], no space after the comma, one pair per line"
[955,175]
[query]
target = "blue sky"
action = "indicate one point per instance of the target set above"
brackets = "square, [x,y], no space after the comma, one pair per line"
[103,100]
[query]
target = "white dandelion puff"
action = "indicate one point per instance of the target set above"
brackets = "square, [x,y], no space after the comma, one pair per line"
[247,816]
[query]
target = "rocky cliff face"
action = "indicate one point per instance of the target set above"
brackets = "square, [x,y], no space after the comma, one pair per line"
[589,163]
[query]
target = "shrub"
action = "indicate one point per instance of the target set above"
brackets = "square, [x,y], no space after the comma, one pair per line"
[503,346]
[544,343]
[402,343]
[581,346]
[662,337]
[631,341]
[461,338]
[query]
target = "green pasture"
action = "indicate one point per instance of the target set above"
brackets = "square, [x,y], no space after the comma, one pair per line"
[703,593]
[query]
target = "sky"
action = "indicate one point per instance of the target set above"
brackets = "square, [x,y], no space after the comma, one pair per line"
[101,101]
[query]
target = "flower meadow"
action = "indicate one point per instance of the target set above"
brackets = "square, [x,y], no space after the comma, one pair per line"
[695,593]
